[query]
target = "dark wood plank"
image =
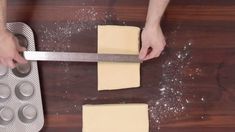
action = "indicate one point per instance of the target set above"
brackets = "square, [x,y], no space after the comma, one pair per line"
[196,69]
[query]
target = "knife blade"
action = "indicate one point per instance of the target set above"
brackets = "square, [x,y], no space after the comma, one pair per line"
[79,57]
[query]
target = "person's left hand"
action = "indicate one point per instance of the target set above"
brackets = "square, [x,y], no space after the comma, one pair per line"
[153,43]
[9,50]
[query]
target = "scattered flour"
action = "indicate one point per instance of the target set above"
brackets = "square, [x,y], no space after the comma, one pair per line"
[56,36]
[171,103]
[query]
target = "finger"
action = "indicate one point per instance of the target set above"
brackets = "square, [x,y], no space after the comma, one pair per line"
[143,52]
[10,64]
[19,59]
[21,49]
[153,54]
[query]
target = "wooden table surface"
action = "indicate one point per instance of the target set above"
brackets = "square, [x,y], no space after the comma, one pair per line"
[190,88]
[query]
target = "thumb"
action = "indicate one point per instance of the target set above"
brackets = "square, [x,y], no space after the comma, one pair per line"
[19,59]
[143,52]
[154,53]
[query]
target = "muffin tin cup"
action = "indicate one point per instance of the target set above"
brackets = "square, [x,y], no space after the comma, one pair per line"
[5,92]
[22,70]
[27,113]
[22,40]
[24,90]
[6,115]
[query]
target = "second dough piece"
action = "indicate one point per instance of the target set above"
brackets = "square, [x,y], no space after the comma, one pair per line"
[118,40]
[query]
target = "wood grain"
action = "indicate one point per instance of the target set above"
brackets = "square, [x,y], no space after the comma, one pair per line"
[207,25]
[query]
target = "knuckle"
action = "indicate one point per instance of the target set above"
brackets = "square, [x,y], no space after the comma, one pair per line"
[162,48]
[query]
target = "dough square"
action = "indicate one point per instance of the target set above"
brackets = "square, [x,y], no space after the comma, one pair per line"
[118,40]
[115,118]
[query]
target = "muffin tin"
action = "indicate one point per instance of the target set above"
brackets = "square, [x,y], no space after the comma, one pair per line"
[20,95]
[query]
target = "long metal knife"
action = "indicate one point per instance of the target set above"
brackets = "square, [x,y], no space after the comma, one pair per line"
[79,57]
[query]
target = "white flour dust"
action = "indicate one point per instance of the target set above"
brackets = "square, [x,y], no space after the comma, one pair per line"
[57,37]
[171,103]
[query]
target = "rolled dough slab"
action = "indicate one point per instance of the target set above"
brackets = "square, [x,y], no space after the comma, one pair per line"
[118,40]
[115,118]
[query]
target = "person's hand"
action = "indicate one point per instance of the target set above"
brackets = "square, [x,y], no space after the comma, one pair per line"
[9,50]
[153,43]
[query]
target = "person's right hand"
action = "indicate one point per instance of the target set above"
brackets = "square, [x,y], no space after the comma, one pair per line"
[153,42]
[9,50]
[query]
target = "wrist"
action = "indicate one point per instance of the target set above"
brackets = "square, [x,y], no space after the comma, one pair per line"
[155,23]
[152,26]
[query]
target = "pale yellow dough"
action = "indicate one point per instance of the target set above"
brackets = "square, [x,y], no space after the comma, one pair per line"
[118,40]
[116,118]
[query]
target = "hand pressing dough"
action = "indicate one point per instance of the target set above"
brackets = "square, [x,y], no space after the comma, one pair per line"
[115,118]
[118,40]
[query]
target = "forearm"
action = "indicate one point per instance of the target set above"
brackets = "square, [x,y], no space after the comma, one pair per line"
[3,9]
[155,11]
